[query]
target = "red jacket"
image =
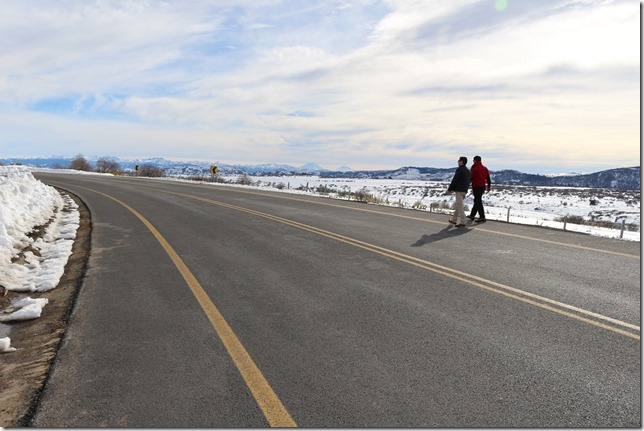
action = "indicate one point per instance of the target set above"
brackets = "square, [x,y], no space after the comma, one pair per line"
[480,175]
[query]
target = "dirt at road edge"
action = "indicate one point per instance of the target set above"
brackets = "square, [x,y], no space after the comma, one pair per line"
[23,373]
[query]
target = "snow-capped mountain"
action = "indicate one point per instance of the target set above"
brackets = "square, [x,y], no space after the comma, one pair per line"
[620,178]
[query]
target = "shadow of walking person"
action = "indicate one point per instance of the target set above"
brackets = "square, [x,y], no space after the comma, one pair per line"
[448,232]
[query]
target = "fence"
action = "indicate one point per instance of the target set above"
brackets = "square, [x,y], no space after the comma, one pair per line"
[566,222]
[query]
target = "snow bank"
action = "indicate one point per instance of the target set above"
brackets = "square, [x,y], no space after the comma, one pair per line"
[28,264]
[5,345]
[26,309]
[37,230]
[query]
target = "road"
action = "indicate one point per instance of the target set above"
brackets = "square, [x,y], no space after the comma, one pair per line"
[212,306]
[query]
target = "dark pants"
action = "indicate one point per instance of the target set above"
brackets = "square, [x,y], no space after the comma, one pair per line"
[478,202]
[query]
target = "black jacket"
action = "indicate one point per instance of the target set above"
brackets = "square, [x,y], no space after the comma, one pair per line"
[461,180]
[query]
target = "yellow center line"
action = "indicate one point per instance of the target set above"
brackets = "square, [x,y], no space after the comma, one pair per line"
[492,286]
[479,229]
[273,409]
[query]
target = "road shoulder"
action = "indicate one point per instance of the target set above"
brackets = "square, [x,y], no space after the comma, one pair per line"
[24,372]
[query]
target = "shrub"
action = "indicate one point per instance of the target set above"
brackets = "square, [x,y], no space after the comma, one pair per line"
[632,227]
[419,205]
[245,180]
[323,189]
[575,219]
[362,196]
[344,193]
[149,170]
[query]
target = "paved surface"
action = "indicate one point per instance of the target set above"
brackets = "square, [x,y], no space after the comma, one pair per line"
[353,315]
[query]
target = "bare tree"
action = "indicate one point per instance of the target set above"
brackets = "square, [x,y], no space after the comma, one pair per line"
[80,164]
[148,170]
[107,165]
[244,180]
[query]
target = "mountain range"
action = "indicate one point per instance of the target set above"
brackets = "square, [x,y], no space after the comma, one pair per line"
[619,178]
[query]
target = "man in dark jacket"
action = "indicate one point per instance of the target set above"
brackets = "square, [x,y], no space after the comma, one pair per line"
[481,183]
[459,185]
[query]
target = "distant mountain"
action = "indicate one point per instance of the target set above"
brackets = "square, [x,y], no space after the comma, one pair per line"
[48,162]
[312,167]
[620,178]
[406,173]
[344,169]
[564,175]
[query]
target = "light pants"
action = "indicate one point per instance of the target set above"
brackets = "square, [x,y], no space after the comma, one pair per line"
[459,211]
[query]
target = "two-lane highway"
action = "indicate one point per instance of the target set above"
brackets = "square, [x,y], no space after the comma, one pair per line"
[213,306]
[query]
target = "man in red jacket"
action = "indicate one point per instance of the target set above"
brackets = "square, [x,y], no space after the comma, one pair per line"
[480,184]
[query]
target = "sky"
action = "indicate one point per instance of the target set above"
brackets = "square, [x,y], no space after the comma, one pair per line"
[540,86]
[26,202]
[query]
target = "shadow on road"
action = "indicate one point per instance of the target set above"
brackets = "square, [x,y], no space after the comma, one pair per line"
[448,232]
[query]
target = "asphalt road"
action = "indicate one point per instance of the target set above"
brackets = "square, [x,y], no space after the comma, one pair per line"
[210,306]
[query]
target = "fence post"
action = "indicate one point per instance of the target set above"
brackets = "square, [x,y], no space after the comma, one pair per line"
[565,221]
[509,214]
[621,234]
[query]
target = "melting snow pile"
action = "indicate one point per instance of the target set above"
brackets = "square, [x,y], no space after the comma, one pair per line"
[37,230]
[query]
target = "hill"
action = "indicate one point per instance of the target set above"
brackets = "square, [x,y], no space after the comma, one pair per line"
[619,178]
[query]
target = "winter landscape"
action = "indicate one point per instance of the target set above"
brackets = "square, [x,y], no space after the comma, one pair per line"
[607,209]
[35,265]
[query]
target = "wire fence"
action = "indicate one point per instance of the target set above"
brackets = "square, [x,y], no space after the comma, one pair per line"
[573,223]
[424,198]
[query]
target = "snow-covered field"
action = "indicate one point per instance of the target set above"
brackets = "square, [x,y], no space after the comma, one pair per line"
[543,206]
[38,225]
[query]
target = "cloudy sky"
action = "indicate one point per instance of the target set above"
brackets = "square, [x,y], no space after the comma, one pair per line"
[542,86]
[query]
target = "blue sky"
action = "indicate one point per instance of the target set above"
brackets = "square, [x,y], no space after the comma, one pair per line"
[541,86]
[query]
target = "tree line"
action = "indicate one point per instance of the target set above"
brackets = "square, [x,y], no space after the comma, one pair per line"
[106,165]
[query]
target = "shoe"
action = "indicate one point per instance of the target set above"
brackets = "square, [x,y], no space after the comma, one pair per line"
[452,221]
[480,220]
[460,225]
[470,217]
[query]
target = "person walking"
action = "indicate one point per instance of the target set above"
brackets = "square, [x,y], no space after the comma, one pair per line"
[481,182]
[459,185]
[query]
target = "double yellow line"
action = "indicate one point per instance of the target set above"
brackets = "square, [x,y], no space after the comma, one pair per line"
[270,404]
[408,217]
[595,319]
[274,411]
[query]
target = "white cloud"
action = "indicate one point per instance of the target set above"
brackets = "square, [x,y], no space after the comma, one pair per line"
[403,80]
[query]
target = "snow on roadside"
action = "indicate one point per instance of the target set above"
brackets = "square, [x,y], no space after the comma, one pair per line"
[36,265]
[531,205]
[30,264]
[25,309]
